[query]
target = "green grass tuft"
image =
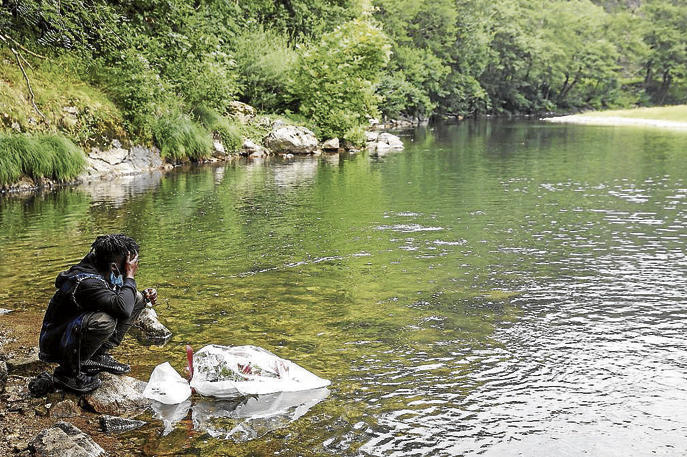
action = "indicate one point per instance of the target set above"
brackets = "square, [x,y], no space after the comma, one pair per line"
[180,138]
[39,156]
[230,132]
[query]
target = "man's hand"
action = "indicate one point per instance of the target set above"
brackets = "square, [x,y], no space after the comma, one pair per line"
[151,295]
[131,265]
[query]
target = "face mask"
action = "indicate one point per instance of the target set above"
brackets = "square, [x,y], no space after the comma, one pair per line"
[116,280]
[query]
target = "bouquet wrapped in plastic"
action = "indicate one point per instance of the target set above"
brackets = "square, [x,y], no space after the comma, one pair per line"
[229,372]
[232,371]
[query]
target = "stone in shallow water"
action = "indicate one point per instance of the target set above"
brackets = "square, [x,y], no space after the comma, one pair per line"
[118,395]
[64,440]
[291,139]
[331,144]
[149,330]
[114,424]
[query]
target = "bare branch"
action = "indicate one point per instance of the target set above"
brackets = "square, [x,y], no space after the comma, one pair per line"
[7,37]
[28,83]
[26,62]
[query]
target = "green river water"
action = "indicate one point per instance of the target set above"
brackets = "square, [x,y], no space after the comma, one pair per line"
[498,288]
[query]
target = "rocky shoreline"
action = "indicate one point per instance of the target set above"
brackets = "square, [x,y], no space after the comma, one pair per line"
[62,423]
[282,138]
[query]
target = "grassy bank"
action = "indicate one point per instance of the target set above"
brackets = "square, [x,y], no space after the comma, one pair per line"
[39,156]
[68,104]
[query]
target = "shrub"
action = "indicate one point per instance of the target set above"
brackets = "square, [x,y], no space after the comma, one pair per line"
[179,138]
[39,156]
[265,64]
[336,79]
[209,80]
[136,87]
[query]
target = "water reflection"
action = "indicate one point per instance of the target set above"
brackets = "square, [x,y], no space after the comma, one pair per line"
[250,418]
[118,190]
[296,172]
[170,415]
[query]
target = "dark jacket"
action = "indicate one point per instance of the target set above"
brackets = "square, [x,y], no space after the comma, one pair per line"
[81,289]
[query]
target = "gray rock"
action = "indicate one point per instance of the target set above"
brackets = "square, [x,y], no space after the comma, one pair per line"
[383,143]
[16,126]
[144,159]
[118,395]
[149,330]
[332,144]
[218,147]
[393,141]
[114,424]
[26,363]
[291,139]
[113,156]
[252,149]
[371,136]
[117,161]
[65,408]
[64,440]
[241,110]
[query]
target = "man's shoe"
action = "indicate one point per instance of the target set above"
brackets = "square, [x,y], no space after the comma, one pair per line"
[80,384]
[104,362]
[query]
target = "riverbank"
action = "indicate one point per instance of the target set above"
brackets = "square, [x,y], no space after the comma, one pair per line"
[262,136]
[665,117]
[22,416]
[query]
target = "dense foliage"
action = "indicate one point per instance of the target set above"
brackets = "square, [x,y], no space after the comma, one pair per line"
[337,63]
[465,57]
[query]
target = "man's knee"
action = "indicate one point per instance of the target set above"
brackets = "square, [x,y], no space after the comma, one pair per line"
[102,323]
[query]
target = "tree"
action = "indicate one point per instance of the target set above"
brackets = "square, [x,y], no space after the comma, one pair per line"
[666,37]
[336,78]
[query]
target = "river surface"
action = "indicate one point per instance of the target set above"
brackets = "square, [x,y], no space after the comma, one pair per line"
[498,288]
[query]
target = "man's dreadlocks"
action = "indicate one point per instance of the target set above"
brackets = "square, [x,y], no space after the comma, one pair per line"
[109,248]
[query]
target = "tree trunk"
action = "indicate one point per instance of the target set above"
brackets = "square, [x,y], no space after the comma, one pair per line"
[665,85]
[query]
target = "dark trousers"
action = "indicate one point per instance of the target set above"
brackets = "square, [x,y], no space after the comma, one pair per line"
[101,332]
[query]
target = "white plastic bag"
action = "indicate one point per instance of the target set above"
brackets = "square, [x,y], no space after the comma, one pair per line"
[233,371]
[166,386]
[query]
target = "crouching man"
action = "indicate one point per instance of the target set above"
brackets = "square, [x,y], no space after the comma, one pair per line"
[95,305]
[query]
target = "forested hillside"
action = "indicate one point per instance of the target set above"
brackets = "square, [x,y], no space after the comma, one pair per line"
[145,68]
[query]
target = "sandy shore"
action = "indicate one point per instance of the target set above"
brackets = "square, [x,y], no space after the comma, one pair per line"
[616,121]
